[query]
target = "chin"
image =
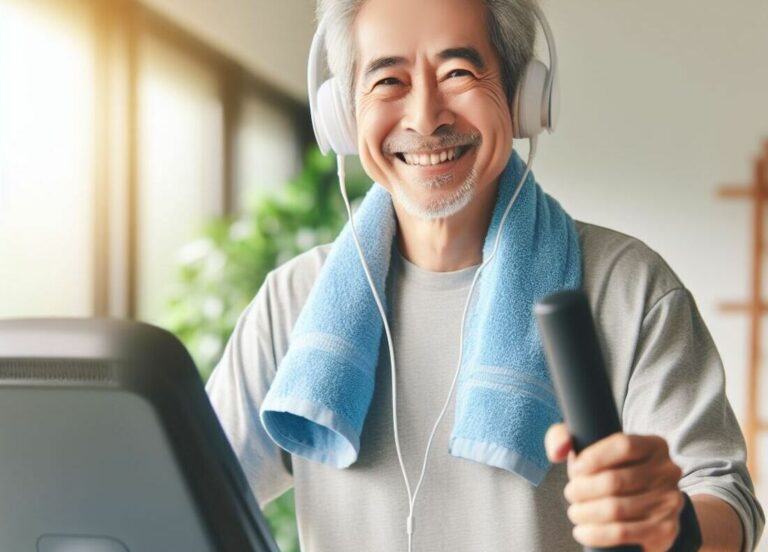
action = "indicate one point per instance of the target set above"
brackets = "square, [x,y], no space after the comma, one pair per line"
[442,204]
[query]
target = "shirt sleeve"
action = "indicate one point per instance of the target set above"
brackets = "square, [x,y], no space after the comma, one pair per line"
[677,391]
[236,388]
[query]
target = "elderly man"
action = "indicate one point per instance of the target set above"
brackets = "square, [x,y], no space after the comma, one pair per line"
[431,86]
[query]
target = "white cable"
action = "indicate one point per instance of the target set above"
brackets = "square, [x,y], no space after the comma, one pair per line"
[342,184]
[531,155]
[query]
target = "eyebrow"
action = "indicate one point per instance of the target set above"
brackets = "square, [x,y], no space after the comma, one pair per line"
[464,52]
[382,62]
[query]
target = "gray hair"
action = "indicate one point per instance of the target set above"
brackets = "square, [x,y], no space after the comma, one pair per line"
[511,31]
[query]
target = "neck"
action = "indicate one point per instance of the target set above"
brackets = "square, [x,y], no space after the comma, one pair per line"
[447,244]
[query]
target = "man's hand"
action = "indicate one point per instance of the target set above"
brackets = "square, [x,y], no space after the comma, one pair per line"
[622,489]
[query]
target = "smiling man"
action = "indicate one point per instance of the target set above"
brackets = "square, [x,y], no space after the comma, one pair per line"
[443,96]
[431,85]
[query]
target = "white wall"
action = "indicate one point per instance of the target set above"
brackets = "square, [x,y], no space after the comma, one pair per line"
[663,102]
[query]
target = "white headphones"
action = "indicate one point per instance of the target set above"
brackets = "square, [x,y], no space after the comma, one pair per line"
[534,108]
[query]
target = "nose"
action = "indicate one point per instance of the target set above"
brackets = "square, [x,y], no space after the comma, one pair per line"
[426,110]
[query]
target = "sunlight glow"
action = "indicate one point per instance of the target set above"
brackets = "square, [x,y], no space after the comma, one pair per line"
[46,158]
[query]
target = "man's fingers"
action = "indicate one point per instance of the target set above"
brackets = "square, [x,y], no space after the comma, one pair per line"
[571,460]
[634,479]
[658,534]
[650,505]
[557,441]
[618,449]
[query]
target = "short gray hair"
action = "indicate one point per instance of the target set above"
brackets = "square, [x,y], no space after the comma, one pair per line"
[511,31]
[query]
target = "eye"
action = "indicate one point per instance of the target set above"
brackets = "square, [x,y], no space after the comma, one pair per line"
[389,81]
[461,72]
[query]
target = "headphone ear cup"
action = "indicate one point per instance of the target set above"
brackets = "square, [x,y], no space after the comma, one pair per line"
[530,109]
[554,108]
[336,127]
[319,117]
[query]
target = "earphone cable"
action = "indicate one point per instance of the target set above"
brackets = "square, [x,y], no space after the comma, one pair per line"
[342,184]
[531,154]
[343,187]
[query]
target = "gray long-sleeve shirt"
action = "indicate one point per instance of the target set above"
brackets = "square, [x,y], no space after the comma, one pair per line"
[665,372]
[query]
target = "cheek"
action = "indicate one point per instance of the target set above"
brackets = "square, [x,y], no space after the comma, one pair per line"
[486,109]
[375,120]
[374,124]
[490,115]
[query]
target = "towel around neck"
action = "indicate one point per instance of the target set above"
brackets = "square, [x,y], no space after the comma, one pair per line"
[318,401]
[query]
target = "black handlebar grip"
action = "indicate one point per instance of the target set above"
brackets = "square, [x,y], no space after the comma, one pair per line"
[578,373]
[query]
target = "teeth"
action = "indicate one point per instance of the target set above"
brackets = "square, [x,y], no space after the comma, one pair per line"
[425,159]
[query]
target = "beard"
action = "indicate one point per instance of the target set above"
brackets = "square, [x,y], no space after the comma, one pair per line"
[442,207]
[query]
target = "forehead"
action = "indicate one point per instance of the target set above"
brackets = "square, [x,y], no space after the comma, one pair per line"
[404,28]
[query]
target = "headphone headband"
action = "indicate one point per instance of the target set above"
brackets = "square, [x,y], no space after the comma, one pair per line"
[312,83]
[551,86]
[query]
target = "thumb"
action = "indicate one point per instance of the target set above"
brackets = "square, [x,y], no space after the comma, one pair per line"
[557,441]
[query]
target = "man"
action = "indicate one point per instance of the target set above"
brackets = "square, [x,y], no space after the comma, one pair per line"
[422,75]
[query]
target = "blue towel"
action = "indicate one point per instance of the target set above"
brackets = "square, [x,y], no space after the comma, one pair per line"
[505,402]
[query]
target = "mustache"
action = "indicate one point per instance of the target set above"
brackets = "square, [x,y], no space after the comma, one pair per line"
[411,142]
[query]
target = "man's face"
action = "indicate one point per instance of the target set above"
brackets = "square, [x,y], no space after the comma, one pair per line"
[433,123]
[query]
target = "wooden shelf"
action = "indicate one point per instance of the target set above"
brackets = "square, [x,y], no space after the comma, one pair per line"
[757,305]
[732,307]
[739,192]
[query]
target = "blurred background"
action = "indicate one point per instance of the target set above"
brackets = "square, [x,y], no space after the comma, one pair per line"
[157,160]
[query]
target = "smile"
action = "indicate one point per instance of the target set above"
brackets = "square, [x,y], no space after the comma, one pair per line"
[432,158]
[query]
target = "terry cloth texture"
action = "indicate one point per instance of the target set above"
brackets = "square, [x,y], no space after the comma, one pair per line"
[319,399]
[665,374]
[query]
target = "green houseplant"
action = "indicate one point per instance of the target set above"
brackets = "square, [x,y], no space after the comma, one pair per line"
[221,272]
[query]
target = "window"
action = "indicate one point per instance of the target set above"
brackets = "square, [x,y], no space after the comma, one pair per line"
[268,148]
[180,165]
[120,135]
[46,159]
